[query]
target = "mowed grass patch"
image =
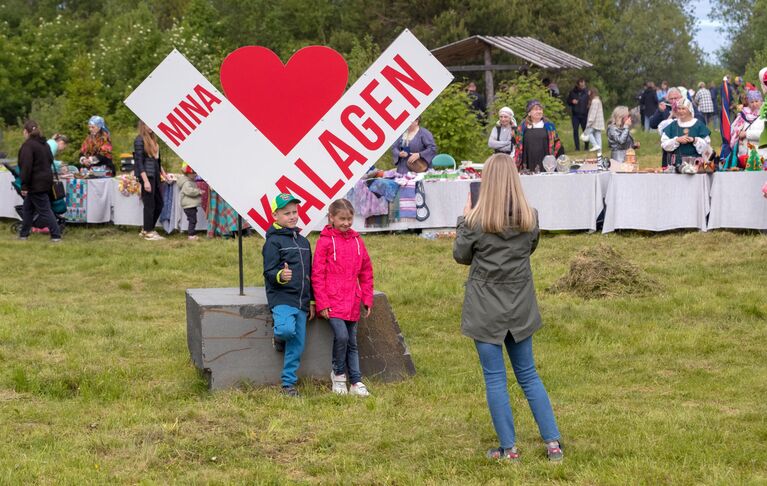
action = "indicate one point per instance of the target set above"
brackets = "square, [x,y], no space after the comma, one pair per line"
[97,385]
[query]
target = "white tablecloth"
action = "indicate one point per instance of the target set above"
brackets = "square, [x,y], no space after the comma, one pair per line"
[8,196]
[98,207]
[657,202]
[104,203]
[567,201]
[129,211]
[564,202]
[737,201]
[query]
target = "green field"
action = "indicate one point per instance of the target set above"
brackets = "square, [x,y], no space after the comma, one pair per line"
[97,386]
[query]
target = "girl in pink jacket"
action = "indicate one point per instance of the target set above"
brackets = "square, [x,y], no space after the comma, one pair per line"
[342,281]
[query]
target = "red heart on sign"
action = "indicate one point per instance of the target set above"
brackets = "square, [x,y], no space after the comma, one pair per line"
[284,101]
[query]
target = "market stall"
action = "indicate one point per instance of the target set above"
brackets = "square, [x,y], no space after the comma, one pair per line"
[564,202]
[644,201]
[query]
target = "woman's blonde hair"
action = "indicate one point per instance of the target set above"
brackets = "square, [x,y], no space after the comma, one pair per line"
[150,140]
[502,203]
[619,114]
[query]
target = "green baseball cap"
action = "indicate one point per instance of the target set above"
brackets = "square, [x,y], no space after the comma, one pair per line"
[283,200]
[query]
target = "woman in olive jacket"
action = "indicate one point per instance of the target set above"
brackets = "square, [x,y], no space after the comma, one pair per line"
[496,237]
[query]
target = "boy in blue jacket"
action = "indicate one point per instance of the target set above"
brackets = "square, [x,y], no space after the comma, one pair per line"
[288,281]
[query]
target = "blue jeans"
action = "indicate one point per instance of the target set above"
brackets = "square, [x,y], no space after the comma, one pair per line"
[595,138]
[346,356]
[290,326]
[494,370]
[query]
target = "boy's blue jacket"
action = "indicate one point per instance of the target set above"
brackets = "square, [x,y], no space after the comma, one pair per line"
[286,245]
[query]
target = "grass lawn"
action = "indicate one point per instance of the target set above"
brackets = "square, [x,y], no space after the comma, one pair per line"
[97,386]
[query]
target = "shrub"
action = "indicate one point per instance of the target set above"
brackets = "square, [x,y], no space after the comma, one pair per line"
[522,89]
[456,129]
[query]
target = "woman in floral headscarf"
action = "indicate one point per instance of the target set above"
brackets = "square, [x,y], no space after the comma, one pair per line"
[97,146]
[747,126]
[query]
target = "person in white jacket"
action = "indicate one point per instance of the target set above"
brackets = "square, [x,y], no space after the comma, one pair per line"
[595,122]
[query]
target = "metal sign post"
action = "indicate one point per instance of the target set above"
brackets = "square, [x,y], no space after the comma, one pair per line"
[239,249]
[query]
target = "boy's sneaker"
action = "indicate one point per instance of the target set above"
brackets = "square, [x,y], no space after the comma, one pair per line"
[554,451]
[278,344]
[359,389]
[502,454]
[55,240]
[339,383]
[290,391]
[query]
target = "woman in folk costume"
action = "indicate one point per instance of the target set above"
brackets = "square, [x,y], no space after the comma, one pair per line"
[686,136]
[747,126]
[536,138]
[96,149]
[763,117]
[414,151]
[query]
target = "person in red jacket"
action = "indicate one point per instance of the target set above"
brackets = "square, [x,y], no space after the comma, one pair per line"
[342,281]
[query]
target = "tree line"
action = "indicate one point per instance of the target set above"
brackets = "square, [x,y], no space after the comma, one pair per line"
[64,60]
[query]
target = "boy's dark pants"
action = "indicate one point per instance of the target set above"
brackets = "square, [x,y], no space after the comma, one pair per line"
[191,217]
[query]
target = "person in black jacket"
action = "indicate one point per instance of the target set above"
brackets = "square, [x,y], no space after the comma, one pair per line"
[665,112]
[35,161]
[578,100]
[648,103]
[148,170]
[288,281]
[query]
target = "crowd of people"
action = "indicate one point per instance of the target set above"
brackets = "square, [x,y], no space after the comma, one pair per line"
[683,118]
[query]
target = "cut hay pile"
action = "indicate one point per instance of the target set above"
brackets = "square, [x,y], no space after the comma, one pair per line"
[601,272]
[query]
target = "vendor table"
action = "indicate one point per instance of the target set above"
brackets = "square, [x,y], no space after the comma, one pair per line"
[657,202]
[129,211]
[563,201]
[102,202]
[8,196]
[737,200]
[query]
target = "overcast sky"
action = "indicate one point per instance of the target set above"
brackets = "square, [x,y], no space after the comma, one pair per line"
[707,37]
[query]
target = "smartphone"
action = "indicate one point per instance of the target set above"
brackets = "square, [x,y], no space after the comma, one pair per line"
[474,188]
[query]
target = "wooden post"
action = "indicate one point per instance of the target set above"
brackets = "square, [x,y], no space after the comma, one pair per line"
[489,90]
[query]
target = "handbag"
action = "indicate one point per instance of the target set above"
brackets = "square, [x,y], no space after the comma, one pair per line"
[419,165]
[58,191]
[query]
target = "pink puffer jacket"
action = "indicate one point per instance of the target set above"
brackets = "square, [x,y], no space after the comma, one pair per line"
[342,274]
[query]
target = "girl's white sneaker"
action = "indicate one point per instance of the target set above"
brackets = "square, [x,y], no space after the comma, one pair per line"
[339,383]
[359,389]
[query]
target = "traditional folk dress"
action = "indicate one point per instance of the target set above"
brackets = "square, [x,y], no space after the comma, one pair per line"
[692,128]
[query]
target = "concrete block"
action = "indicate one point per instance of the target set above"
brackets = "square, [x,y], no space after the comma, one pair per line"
[230,341]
